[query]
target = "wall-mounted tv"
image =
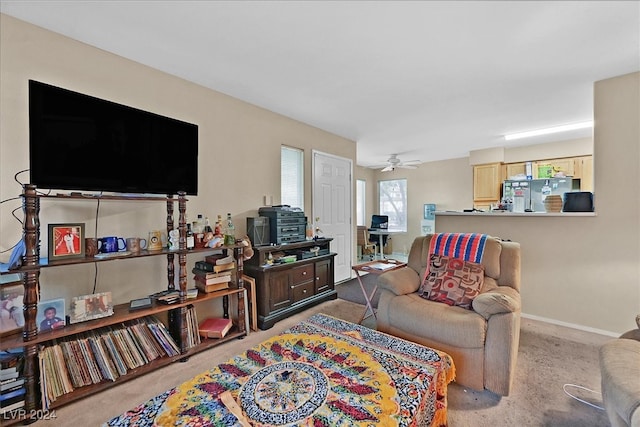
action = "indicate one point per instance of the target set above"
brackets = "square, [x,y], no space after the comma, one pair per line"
[79,142]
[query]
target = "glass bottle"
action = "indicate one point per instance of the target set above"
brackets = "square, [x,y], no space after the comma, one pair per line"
[191,241]
[229,232]
[218,227]
[546,190]
[207,225]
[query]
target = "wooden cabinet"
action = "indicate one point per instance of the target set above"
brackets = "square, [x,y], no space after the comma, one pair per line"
[178,316]
[583,168]
[515,169]
[284,289]
[565,166]
[487,184]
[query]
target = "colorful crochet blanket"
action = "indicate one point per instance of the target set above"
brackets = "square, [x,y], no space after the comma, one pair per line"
[321,372]
[465,246]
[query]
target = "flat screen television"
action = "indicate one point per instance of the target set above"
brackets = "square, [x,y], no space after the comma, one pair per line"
[79,142]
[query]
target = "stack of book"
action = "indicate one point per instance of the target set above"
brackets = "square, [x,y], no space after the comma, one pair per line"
[214,273]
[12,389]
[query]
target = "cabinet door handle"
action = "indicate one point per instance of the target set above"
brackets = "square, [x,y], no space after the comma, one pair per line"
[304,291]
[304,273]
[318,278]
[292,286]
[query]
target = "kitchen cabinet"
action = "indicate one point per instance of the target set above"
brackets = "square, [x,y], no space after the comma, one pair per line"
[287,288]
[565,166]
[487,184]
[583,168]
[515,169]
[178,314]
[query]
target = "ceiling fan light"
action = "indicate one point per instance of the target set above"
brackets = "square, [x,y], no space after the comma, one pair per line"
[546,131]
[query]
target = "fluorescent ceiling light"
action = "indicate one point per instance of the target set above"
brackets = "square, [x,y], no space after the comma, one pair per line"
[546,131]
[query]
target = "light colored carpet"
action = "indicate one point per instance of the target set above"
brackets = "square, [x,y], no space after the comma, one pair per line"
[549,357]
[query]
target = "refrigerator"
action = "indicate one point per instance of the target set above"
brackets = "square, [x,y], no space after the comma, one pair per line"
[528,195]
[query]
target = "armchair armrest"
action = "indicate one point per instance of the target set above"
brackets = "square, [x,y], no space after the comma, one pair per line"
[400,282]
[503,299]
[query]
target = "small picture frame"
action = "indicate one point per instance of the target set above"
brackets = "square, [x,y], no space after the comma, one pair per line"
[429,211]
[66,241]
[51,315]
[89,307]
[11,308]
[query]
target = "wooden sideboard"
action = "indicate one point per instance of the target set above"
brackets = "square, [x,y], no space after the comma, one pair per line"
[284,289]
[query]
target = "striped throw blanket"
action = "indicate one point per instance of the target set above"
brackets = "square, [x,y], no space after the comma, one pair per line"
[465,246]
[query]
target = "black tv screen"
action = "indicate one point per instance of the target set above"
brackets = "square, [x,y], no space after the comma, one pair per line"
[79,142]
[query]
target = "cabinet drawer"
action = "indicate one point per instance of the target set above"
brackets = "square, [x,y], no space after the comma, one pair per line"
[301,274]
[302,291]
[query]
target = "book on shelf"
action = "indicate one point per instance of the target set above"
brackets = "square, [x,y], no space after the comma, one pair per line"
[210,288]
[9,374]
[10,396]
[17,405]
[214,268]
[214,327]
[219,259]
[210,277]
[11,384]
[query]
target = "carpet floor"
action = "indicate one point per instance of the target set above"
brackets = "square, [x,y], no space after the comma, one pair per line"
[549,357]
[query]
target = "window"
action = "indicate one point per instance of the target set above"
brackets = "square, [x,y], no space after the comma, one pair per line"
[361,206]
[292,177]
[393,203]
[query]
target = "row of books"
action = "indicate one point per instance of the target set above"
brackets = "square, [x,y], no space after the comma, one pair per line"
[103,354]
[193,338]
[12,389]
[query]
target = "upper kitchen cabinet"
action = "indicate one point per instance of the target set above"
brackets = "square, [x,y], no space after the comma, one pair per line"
[583,168]
[487,182]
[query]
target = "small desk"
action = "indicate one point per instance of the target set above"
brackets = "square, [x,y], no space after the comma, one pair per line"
[374,267]
[380,232]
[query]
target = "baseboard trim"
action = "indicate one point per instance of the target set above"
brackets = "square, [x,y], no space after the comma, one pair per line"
[571,325]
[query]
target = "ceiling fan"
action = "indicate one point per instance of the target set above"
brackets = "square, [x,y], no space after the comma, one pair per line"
[394,162]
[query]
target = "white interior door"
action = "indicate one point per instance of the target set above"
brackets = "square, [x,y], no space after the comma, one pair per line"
[331,203]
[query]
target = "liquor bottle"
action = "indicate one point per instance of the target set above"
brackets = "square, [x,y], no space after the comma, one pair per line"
[191,241]
[207,225]
[218,227]
[229,232]
[546,190]
[198,231]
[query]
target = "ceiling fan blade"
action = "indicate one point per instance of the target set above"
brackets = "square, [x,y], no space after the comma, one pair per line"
[408,166]
[387,169]
[412,162]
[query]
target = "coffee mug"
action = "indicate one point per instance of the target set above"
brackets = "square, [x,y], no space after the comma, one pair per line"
[155,241]
[111,244]
[134,244]
[90,246]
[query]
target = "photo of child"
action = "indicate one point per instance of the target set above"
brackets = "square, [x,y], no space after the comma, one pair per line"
[51,315]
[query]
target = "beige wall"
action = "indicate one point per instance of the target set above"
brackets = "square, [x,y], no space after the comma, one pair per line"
[239,152]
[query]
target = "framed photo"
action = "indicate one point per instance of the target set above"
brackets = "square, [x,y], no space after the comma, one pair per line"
[11,305]
[51,315]
[89,307]
[66,241]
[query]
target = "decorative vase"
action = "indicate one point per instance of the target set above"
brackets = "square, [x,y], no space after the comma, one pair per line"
[553,203]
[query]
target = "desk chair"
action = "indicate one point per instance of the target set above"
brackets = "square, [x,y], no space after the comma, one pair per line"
[379,222]
[363,240]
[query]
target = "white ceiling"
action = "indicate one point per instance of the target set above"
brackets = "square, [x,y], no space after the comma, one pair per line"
[429,80]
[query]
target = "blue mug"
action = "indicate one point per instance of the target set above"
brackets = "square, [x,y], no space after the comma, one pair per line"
[111,244]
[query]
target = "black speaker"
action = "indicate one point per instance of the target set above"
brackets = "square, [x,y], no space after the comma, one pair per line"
[258,230]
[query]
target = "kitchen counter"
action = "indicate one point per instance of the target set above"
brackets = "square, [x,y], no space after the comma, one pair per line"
[514,214]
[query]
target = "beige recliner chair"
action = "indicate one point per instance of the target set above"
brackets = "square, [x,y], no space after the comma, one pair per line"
[483,341]
[620,378]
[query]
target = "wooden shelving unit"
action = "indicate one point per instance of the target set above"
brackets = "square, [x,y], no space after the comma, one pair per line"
[32,263]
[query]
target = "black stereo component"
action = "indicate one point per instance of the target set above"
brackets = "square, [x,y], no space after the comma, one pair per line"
[286,224]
